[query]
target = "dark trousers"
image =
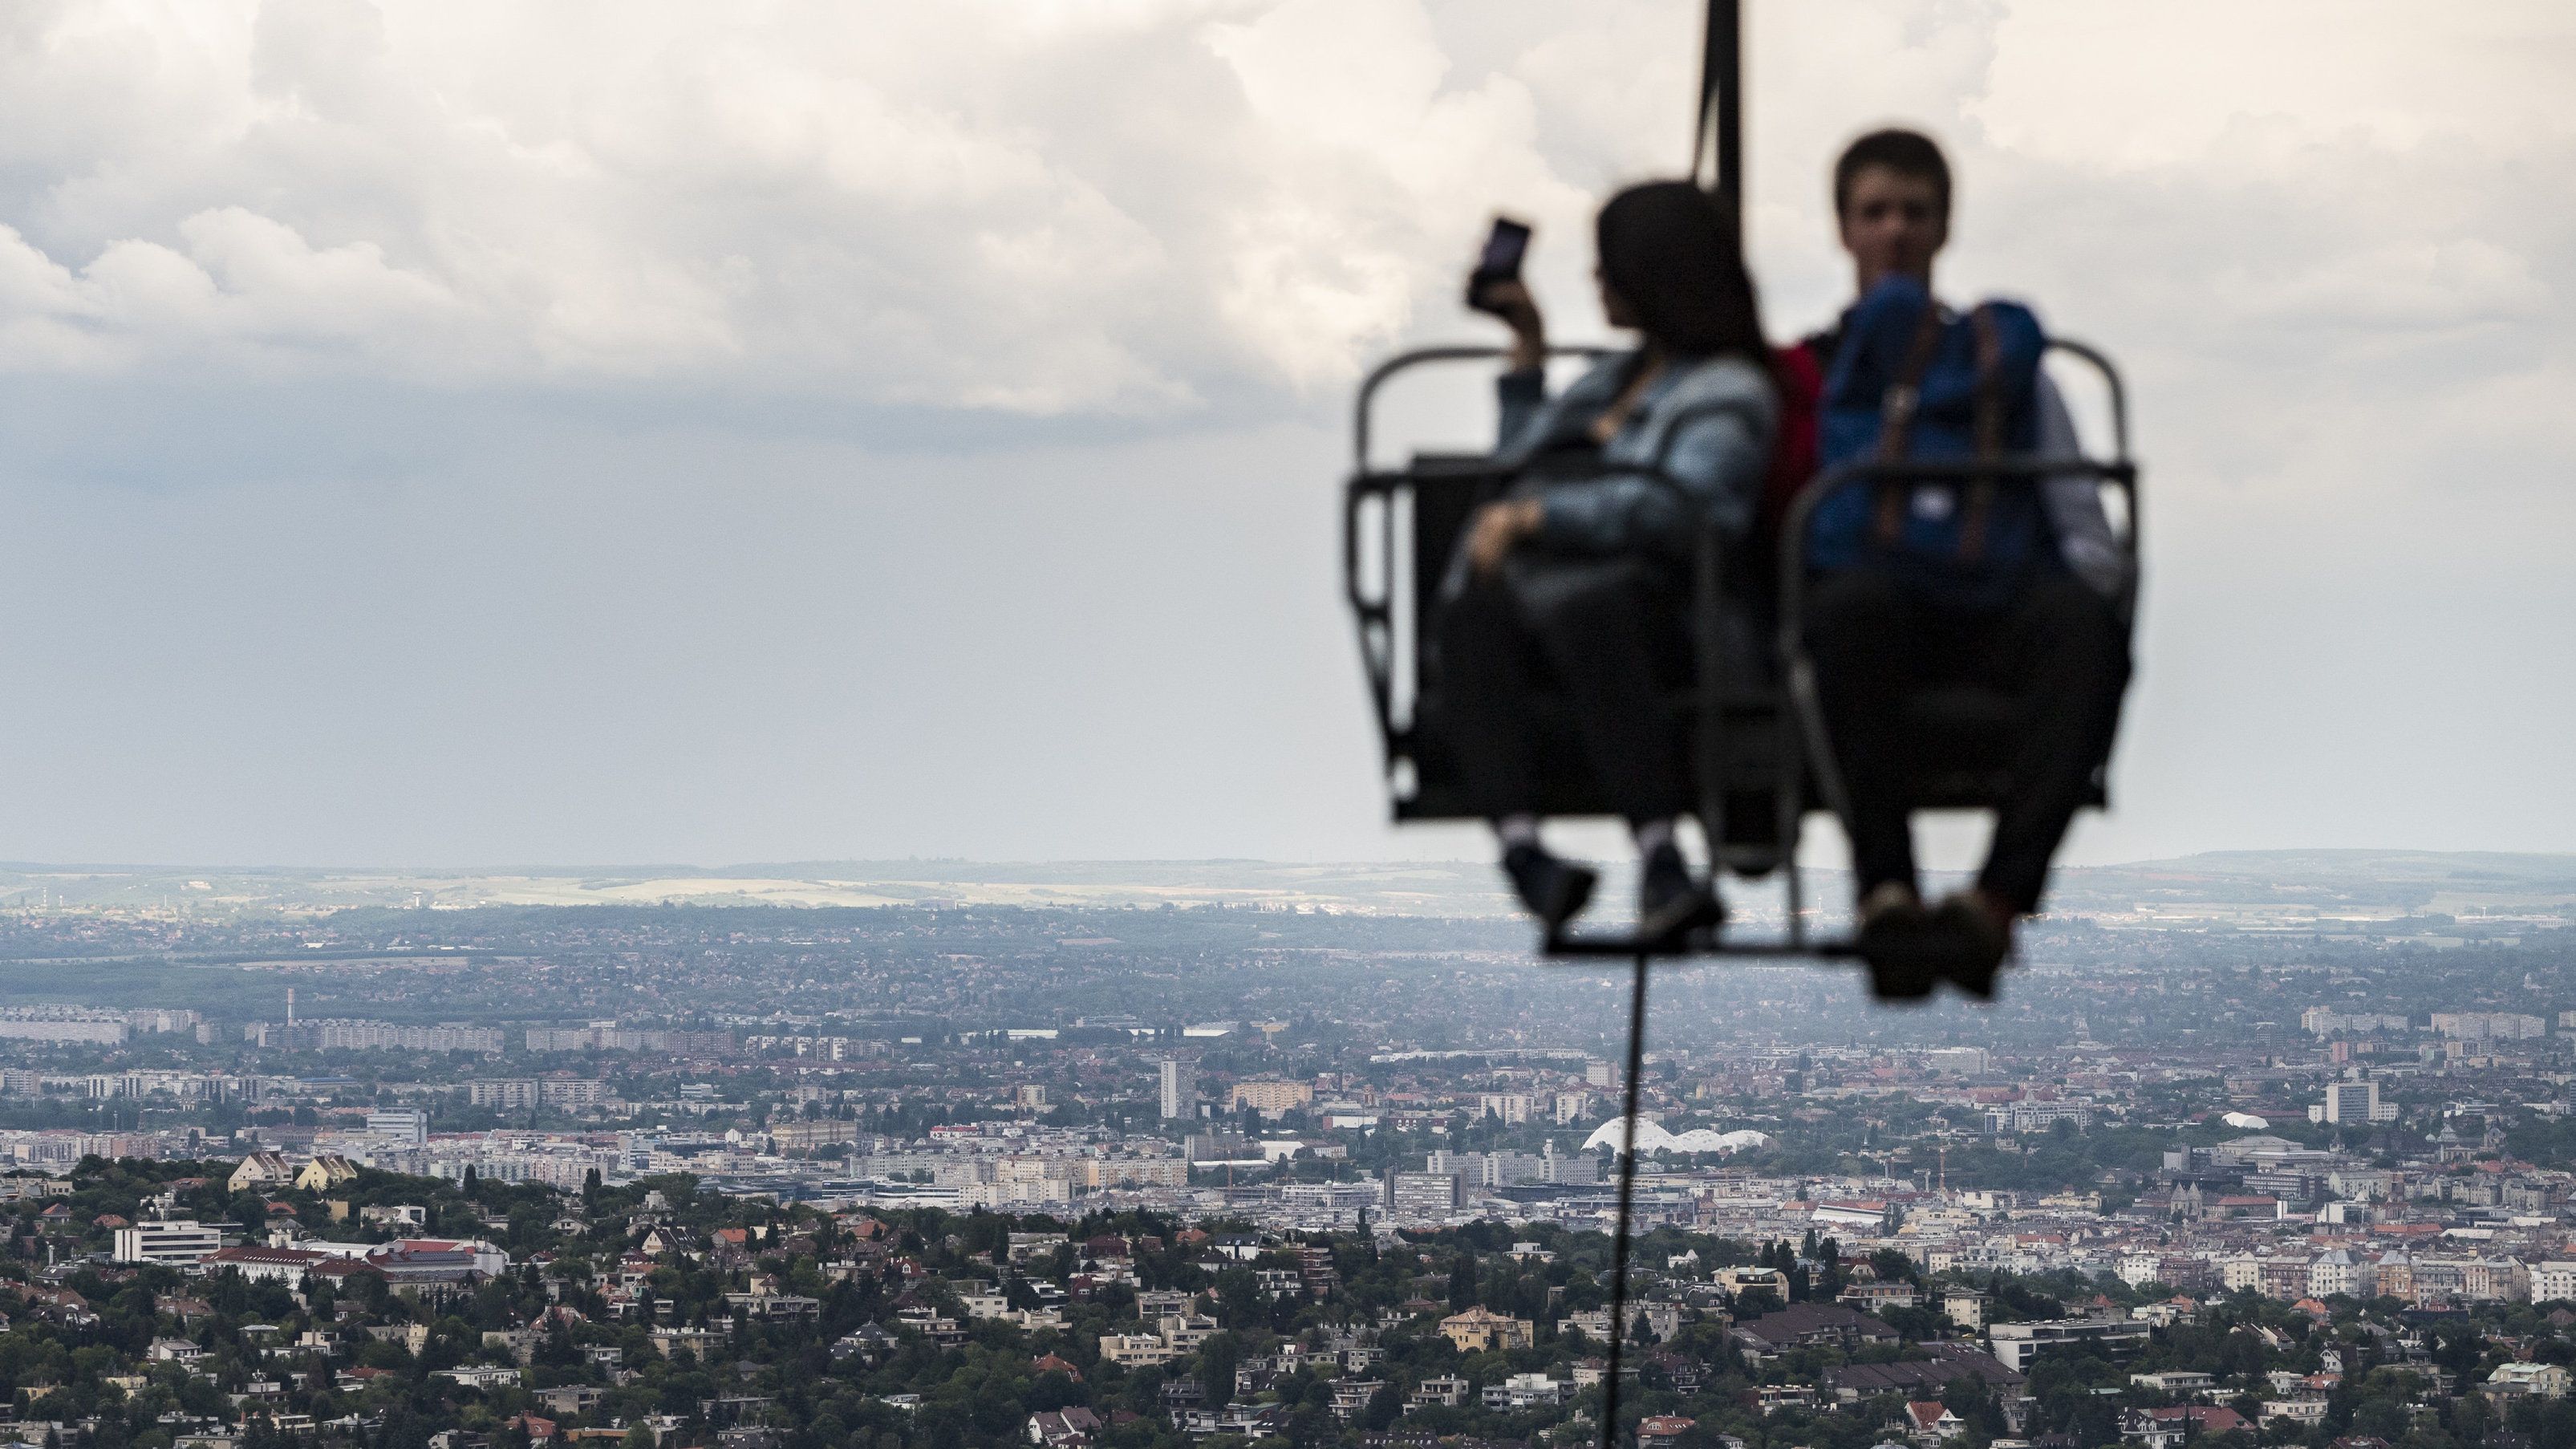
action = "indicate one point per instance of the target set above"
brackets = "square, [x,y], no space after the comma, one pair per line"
[1604,641]
[2059,650]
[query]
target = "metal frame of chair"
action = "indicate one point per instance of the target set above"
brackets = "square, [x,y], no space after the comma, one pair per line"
[1383,569]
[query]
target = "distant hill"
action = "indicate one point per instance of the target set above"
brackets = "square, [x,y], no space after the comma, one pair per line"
[2450,882]
[2364,881]
[1408,888]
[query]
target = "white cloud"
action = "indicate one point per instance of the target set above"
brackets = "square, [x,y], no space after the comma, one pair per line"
[2110,85]
[236,280]
[481,349]
[1105,208]
[1143,206]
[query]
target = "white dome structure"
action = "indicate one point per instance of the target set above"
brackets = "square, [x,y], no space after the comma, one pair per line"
[1651,1137]
[2246,1120]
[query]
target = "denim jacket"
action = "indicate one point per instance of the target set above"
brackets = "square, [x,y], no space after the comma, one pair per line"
[1719,458]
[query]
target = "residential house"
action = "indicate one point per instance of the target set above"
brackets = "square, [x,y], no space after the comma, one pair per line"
[1809,1325]
[326,1171]
[1662,1431]
[1929,1422]
[1480,1329]
[2527,1380]
[2171,1428]
[1064,1429]
[261,1169]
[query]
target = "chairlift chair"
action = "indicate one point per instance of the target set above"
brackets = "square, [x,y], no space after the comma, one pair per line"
[1757,746]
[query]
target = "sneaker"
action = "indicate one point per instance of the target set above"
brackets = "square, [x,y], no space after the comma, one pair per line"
[1974,935]
[1669,902]
[1897,940]
[1554,890]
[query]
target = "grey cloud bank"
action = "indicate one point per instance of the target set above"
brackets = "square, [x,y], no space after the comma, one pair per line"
[466,432]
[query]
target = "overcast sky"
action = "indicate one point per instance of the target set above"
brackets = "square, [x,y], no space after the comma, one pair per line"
[469,431]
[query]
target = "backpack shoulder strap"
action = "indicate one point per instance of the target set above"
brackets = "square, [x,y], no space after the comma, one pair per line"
[1896,412]
[1904,396]
[1990,382]
[1989,427]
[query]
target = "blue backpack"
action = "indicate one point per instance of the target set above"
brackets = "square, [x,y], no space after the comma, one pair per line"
[1909,382]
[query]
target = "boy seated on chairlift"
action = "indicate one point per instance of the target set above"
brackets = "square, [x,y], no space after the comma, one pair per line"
[2059,643]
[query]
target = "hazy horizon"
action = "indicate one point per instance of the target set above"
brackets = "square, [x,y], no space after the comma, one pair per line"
[1477,860]
[2237,886]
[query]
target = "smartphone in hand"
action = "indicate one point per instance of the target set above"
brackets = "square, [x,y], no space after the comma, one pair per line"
[1505,245]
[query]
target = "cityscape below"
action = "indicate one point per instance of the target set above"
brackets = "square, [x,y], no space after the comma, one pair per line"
[2256,1148]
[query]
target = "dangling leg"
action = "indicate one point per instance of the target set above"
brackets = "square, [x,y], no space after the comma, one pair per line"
[1613,633]
[1670,902]
[2073,666]
[2062,650]
[1550,887]
[1864,638]
[1489,669]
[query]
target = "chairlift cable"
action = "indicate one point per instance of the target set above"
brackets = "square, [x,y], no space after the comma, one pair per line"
[1627,1201]
[1718,125]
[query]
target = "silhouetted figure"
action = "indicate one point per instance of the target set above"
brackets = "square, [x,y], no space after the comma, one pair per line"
[1575,584]
[2053,640]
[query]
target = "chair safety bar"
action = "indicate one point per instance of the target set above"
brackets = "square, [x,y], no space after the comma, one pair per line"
[1402,362]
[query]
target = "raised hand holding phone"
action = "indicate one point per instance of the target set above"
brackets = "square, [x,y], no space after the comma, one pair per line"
[1500,261]
[1495,287]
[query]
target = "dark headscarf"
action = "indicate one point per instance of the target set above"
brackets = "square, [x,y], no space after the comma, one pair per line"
[1667,251]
